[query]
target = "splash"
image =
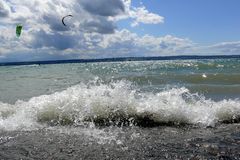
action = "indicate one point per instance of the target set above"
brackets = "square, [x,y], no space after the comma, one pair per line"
[117,103]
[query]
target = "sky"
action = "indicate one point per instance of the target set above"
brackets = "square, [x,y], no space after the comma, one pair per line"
[118,28]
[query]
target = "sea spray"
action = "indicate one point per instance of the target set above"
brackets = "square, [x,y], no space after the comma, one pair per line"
[117,103]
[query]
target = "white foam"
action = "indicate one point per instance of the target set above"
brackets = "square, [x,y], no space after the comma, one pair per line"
[84,102]
[204,76]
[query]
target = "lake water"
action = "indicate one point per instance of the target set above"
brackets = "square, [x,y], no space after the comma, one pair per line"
[173,109]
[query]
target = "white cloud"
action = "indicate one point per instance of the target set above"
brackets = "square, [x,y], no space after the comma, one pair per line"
[4,9]
[96,45]
[45,14]
[142,15]
[91,33]
[139,15]
[221,48]
[145,45]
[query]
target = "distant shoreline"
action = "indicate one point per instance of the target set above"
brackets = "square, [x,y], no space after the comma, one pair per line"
[120,59]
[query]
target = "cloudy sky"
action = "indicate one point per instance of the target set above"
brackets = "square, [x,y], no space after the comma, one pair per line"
[118,28]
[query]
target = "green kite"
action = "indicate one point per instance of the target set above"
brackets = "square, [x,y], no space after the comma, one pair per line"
[19,30]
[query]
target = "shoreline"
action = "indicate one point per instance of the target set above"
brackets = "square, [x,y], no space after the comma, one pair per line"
[120,59]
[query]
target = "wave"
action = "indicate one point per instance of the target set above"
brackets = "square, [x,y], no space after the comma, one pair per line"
[117,103]
[193,78]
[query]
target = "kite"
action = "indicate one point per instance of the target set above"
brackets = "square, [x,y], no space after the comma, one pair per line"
[19,30]
[66,17]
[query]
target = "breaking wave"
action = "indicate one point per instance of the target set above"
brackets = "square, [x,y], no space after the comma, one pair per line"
[117,103]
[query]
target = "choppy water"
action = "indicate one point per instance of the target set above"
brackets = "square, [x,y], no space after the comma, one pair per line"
[112,104]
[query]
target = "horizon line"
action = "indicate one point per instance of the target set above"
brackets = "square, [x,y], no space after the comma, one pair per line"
[119,59]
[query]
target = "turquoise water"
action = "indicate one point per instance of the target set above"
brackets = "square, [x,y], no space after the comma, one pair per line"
[177,91]
[214,78]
